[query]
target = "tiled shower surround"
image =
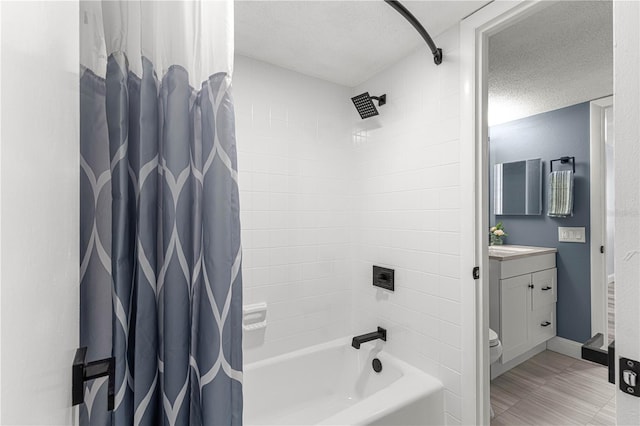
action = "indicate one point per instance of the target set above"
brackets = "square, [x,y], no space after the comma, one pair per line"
[295,177]
[325,195]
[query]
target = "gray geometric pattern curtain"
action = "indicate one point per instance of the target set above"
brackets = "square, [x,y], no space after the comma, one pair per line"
[161,283]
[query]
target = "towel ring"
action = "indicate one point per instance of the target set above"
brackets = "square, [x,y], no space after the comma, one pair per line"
[564,160]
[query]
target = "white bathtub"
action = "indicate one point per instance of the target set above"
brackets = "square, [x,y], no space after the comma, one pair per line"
[335,384]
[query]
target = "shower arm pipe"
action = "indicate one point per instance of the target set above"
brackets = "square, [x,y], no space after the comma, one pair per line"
[437,52]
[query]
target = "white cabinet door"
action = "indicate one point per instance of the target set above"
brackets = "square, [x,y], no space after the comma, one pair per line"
[40,172]
[515,306]
[542,326]
[544,288]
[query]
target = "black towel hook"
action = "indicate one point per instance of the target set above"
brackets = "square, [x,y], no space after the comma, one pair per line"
[83,371]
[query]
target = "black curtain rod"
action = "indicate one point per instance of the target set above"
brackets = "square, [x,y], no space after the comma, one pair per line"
[437,53]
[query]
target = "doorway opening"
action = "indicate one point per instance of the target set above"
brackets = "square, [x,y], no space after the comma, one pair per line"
[534,109]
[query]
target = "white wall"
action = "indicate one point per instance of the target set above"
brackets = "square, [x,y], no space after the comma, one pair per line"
[325,195]
[39,217]
[407,199]
[294,159]
[626,64]
[1,214]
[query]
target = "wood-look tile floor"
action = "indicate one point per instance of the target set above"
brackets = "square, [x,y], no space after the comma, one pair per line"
[553,389]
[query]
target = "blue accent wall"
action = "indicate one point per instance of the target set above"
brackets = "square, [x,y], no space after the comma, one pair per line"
[554,134]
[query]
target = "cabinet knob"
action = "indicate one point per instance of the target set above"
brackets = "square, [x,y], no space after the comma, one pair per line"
[545,324]
[530,285]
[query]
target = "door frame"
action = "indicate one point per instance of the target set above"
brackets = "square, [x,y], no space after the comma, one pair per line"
[474,33]
[598,237]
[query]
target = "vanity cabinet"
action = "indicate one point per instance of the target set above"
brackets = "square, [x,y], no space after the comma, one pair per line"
[523,300]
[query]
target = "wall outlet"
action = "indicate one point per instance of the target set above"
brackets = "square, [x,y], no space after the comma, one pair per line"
[572,234]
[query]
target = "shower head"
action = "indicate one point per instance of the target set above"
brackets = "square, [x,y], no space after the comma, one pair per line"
[365,106]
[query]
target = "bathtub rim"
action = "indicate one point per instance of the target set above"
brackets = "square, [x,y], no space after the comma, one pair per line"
[414,383]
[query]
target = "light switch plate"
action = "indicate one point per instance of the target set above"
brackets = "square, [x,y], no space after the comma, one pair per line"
[571,234]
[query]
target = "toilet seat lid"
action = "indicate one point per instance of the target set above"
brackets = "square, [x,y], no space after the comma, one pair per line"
[493,338]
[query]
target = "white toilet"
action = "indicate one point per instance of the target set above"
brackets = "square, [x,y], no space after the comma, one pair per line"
[495,347]
[495,351]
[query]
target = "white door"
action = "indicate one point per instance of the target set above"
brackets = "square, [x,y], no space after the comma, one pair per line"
[602,215]
[544,288]
[626,87]
[473,36]
[39,217]
[515,305]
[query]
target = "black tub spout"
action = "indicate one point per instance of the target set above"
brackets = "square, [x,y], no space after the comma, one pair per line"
[358,340]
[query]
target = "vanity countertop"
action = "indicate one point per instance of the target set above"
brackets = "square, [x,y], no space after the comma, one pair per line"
[509,252]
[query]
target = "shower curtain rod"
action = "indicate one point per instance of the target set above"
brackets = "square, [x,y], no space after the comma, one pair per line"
[437,52]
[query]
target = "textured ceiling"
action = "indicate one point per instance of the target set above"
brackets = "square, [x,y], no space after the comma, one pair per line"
[345,42]
[560,56]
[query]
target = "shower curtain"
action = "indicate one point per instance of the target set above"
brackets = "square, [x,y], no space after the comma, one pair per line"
[161,284]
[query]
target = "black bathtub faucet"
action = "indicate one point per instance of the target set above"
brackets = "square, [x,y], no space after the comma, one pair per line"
[358,340]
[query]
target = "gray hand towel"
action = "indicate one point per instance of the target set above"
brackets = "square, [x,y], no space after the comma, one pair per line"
[560,194]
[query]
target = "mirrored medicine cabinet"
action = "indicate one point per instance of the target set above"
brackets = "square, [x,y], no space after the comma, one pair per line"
[517,188]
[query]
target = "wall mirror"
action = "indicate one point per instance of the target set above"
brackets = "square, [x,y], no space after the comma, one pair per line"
[517,188]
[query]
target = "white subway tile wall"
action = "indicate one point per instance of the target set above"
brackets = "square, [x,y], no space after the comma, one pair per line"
[325,195]
[294,157]
[407,207]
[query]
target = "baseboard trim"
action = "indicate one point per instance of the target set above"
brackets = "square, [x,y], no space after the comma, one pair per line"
[565,347]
